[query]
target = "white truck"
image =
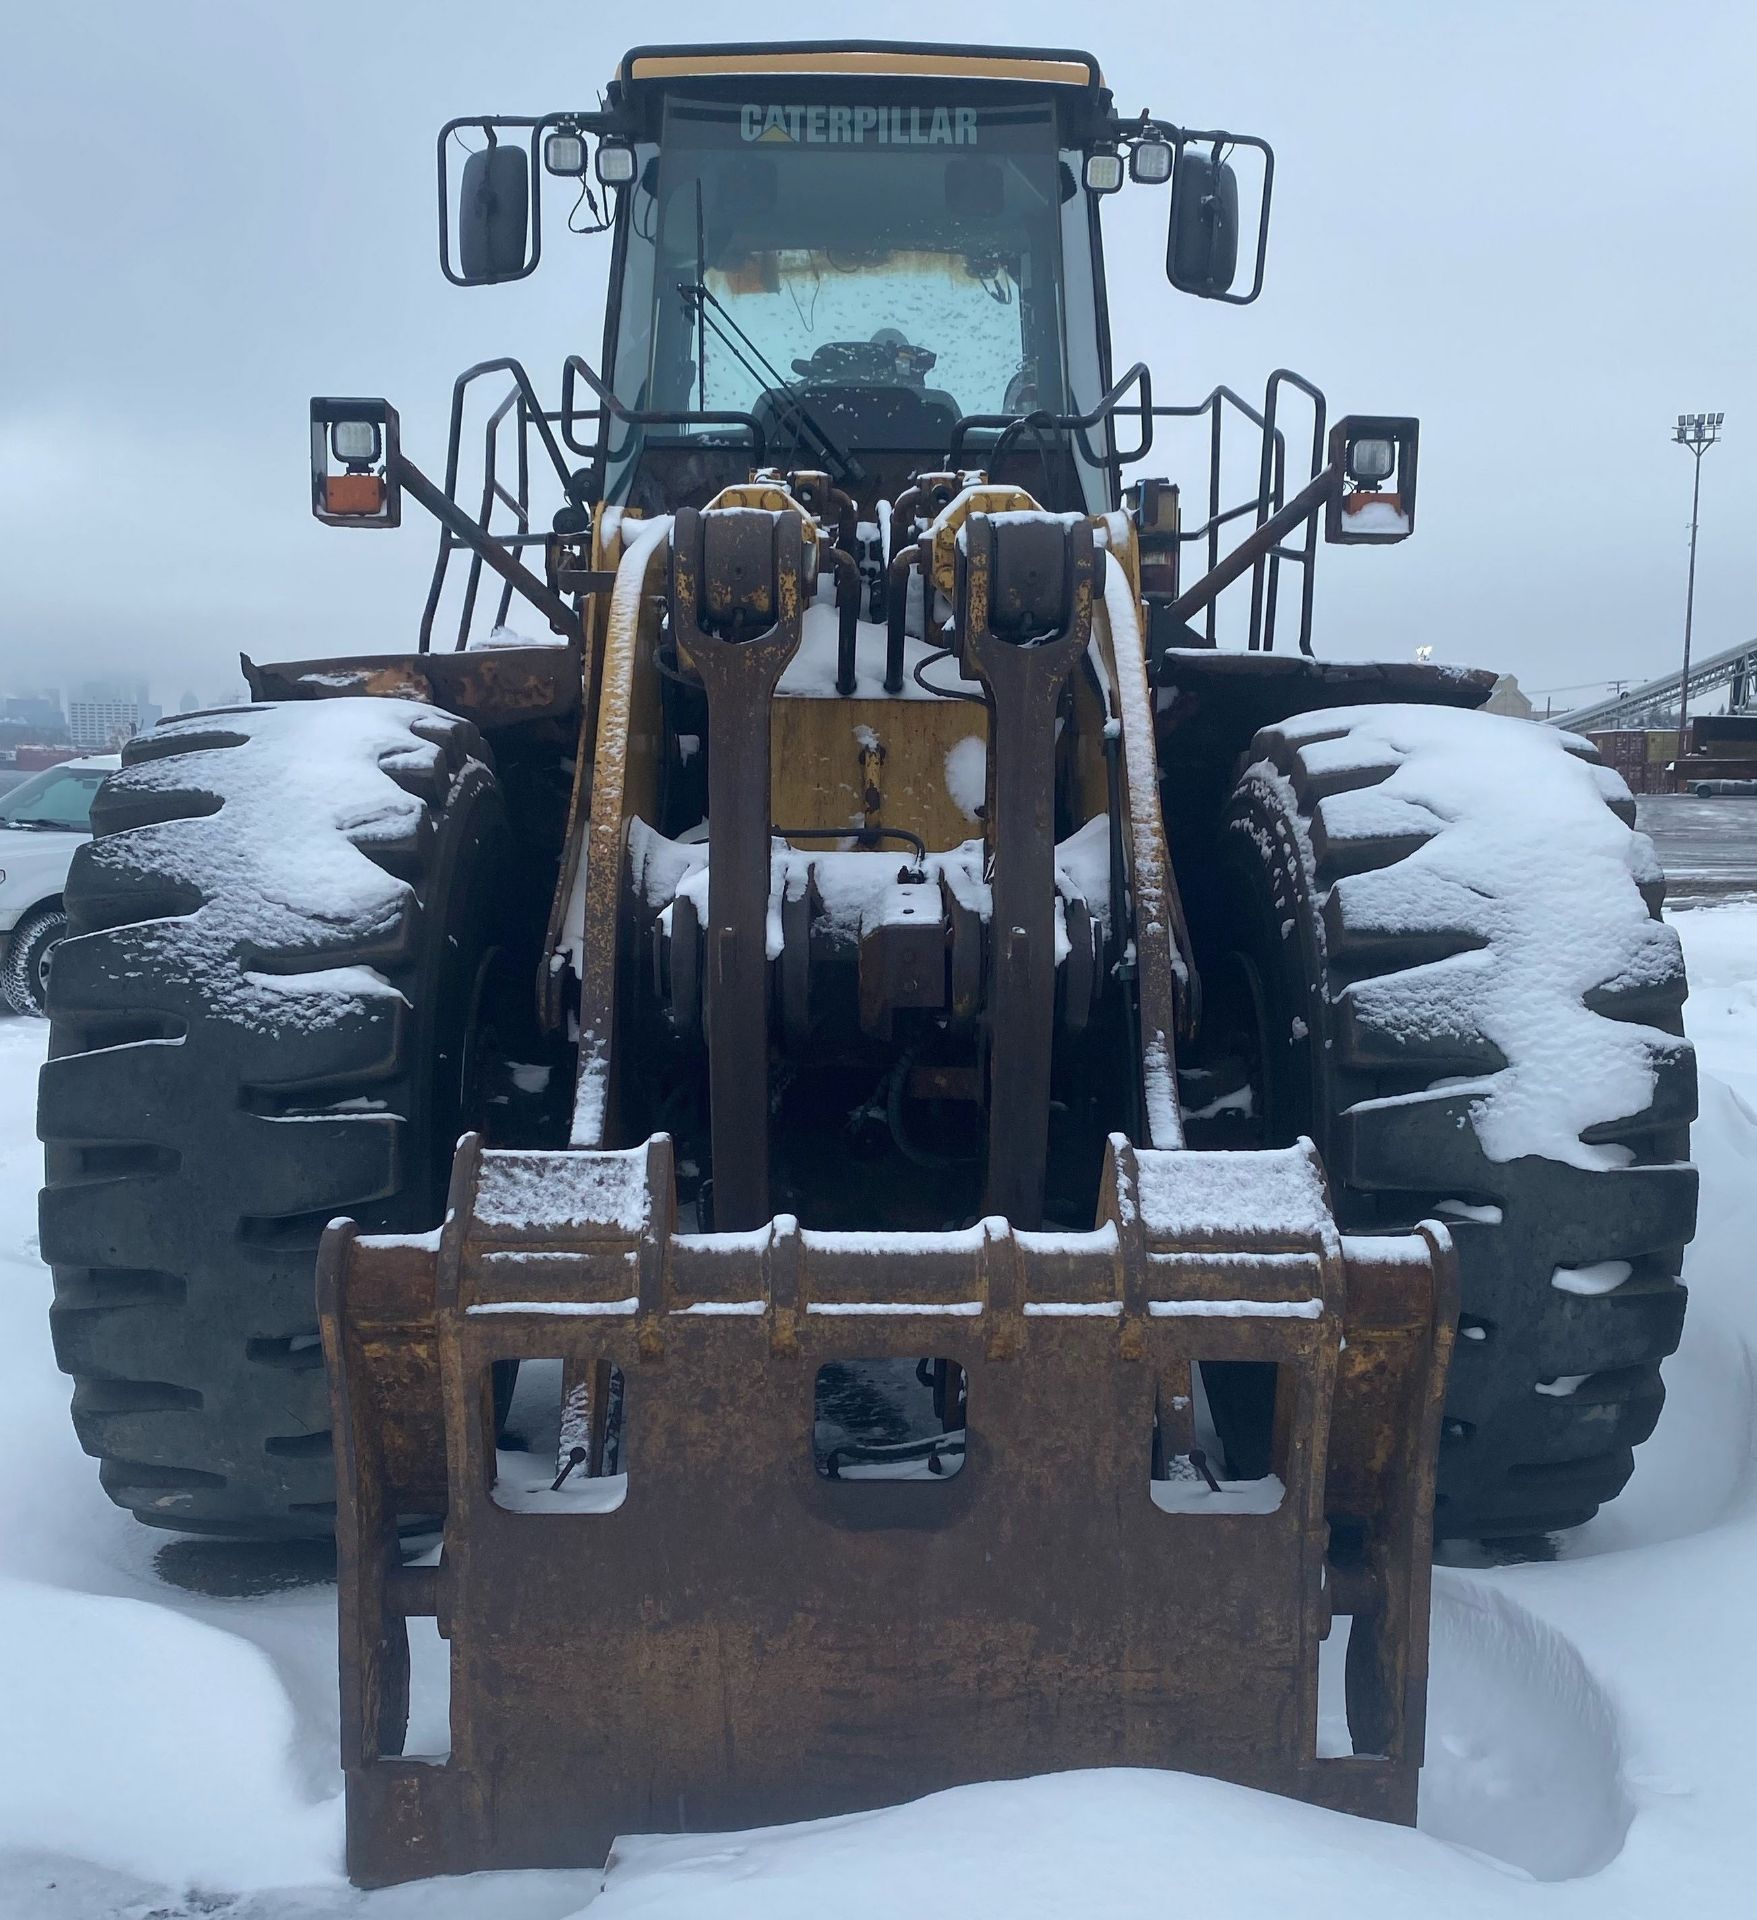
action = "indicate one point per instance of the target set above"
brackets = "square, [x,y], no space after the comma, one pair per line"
[42,823]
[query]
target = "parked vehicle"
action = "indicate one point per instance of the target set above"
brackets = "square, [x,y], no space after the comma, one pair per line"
[43,821]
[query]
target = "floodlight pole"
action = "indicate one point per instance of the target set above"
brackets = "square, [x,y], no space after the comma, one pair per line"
[1697,432]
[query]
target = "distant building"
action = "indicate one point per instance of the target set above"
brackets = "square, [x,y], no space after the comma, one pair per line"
[188,703]
[102,714]
[38,711]
[1507,698]
[93,725]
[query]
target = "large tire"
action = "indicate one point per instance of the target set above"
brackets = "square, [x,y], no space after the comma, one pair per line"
[1367,953]
[217,1090]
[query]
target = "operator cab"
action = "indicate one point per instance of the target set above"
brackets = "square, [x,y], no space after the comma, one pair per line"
[859,261]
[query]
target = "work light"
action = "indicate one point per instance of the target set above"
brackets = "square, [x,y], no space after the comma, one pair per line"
[1150,163]
[1370,461]
[565,153]
[355,442]
[1104,172]
[615,162]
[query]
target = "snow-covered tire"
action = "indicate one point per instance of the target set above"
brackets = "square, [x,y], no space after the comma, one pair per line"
[260,1020]
[1465,995]
[24,980]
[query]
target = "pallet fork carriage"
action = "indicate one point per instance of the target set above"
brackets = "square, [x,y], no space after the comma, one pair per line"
[743,1640]
[955,1067]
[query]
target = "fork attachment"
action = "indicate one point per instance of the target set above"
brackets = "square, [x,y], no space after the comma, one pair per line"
[720,1635]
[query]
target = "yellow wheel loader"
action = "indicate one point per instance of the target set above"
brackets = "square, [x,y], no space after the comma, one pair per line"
[928,1160]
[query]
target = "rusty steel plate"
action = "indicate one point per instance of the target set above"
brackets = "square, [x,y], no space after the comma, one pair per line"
[738,1640]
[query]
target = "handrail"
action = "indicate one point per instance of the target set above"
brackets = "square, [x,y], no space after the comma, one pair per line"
[465,532]
[1262,551]
[612,408]
[1216,401]
[1251,553]
[522,381]
[1262,627]
[491,488]
[1271,479]
[1108,407]
[457,529]
[524,394]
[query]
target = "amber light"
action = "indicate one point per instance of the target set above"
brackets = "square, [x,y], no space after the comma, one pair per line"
[353,493]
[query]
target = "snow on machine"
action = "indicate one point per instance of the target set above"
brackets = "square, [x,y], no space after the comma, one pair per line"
[927,1172]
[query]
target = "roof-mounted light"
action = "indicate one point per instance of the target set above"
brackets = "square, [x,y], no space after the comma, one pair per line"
[615,163]
[564,153]
[1104,172]
[1150,162]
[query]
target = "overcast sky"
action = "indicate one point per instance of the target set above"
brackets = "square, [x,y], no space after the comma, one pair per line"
[1532,225]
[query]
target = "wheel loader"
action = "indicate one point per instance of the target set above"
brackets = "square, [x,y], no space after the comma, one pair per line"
[928,1154]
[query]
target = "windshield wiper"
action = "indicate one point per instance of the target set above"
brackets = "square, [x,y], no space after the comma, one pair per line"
[696,300]
[40,826]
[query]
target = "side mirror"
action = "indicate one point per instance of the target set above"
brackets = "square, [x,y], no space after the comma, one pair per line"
[491,208]
[494,216]
[1201,252]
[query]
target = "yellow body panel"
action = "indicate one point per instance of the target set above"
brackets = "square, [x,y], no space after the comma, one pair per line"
[983,499]
[874,60]
[872,762]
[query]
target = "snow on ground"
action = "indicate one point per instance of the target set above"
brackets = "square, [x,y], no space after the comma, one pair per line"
[167,1730]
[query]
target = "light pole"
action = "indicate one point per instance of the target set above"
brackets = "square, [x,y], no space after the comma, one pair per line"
[1698,432]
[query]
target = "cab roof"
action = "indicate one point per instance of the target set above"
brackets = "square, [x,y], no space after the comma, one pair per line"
[913,60]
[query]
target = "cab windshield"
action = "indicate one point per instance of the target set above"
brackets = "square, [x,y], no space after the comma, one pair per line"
[874,271]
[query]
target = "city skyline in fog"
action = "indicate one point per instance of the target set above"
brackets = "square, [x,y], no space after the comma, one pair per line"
[1510,220]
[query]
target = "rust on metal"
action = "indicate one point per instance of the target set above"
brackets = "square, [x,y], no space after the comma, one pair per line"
[604,555]
[1024,589]
[739,1640]
[736,610]
[500,688]
[881,759]
[595,880]
[1166,980]
[1223,698]
[903,955]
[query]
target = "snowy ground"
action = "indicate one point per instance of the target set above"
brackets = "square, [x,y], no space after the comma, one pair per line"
[167,1741]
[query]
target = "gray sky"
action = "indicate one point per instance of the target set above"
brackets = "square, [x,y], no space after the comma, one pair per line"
[1529,224]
